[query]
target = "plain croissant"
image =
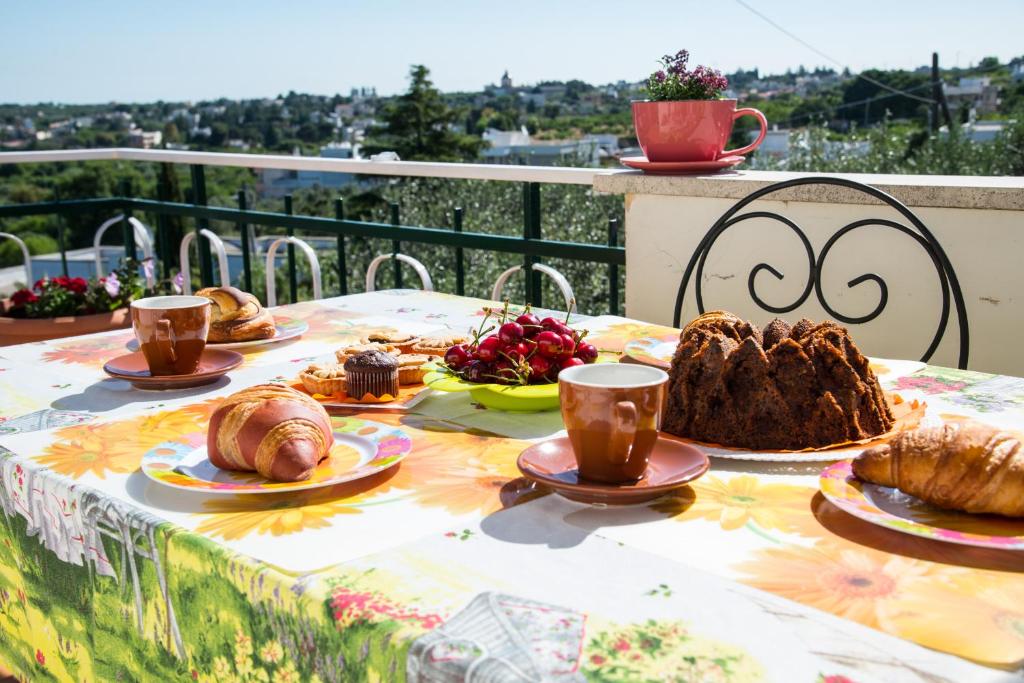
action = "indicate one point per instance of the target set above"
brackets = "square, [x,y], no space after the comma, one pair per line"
[279,432]
[236,316]
[970,467]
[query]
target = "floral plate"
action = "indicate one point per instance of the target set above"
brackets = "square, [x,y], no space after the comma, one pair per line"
[285,328]
[891,508]
[658,351]
[361,448]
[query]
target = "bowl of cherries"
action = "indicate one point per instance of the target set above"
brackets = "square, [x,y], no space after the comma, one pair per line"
[513,361]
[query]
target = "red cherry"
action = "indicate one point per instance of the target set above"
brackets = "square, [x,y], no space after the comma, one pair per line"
[474,371]
[539,367]
[528,321]
[457,356]
[505,373]
[571,363]
[566,330]
[586,352]
[488,349]
[568,346]
[550,324]
[517,351]
[510,333]
[549,344]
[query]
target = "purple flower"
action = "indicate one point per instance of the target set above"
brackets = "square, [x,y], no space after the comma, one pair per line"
[112,285]
[147,269]
[179,282]
[659,75]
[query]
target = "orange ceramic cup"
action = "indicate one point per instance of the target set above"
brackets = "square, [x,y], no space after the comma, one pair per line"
[172,332]
[612,412]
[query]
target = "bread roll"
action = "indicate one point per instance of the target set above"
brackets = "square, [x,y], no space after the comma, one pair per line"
[271,429]
[236,316]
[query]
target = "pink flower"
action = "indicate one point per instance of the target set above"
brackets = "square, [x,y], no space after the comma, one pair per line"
[40,658]
[112,285]
[621,645]
[147,269]
[179,282]
[597,659]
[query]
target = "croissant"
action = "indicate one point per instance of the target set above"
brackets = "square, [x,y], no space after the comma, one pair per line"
[279,432]
[236,316]
[970,467]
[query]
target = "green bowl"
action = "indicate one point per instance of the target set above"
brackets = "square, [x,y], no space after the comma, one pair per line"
[522,399]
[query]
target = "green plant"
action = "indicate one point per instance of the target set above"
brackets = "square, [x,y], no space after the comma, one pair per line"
[677,82]
[62,296]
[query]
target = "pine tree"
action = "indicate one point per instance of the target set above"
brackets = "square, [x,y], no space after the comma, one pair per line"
[418,125]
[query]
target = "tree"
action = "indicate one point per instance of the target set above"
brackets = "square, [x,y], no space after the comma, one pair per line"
[418,125]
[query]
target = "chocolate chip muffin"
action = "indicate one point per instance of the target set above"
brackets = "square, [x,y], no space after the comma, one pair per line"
[374,373]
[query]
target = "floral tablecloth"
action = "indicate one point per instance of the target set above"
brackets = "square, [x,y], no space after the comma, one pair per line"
[450,566]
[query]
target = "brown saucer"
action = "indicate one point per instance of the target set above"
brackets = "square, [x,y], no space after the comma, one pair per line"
[213,364]
[673,464]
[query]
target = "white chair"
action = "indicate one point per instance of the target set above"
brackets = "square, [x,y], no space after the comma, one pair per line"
[29,280]
[314,268]
[222,258]
[143,237]
[563,285]
[426,284]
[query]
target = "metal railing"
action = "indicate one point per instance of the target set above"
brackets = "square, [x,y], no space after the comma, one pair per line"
[531,245]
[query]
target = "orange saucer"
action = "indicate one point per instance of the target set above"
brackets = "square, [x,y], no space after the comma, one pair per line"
[552,464]
[213,364]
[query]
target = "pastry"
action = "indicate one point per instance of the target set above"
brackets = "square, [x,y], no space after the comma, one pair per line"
[790,387]
[326,379]
[971,467]
[400,340]
[374,373]
[271,429]
[438,345]
[347,352]
[236,316]
[411,368]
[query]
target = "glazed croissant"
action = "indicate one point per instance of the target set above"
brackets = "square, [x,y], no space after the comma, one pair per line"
[272,429]
[970,467]
[236,316]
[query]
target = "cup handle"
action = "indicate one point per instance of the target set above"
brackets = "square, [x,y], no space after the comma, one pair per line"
[760,138]
[625,432]
[165,338]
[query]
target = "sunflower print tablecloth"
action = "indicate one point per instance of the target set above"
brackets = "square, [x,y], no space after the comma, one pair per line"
[747,575]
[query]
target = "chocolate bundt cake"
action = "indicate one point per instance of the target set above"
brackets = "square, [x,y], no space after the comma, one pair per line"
[789,387]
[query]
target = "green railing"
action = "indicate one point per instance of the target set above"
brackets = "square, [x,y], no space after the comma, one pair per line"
[531,245]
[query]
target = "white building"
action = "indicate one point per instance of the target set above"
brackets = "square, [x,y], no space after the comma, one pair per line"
[516,147]
[276,182]
[976,93]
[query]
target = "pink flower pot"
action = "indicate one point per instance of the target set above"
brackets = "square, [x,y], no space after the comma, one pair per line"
[690,130]
[23,330]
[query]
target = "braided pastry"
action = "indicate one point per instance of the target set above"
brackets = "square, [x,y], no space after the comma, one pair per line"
[236,316]
[971,467]
[272,429]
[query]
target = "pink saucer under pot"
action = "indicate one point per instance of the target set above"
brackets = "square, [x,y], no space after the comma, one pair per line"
[672,465]
[677,167]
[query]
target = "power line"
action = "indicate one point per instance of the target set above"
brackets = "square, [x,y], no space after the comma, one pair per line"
[857,103]
[782,29]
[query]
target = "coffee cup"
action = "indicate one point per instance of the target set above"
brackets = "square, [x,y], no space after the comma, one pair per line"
[691,130]
[612,412]
[171,331]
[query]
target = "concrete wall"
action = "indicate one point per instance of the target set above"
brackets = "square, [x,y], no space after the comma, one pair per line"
[666,218]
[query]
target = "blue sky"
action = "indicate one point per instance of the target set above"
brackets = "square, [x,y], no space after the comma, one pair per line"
[104,50]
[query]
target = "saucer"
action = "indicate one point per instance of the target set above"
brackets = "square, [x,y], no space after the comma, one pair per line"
[673,464]
[213,363]
[673,167]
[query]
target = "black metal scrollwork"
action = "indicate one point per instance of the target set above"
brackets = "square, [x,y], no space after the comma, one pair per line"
[949,285]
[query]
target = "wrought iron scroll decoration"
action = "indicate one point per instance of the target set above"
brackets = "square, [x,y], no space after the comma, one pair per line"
[949,284]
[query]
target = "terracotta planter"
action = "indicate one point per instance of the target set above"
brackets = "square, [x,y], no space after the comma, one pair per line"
[690,130]
[22,330]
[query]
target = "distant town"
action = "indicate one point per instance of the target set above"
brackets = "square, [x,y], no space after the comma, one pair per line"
[547,123]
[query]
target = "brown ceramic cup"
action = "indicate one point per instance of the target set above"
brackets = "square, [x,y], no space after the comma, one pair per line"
[612,412]
[172,332]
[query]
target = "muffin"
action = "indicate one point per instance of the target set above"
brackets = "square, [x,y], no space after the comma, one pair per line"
[323,378]
[400,340]
[374,373]
[411,368]
[438,345]
[343,354]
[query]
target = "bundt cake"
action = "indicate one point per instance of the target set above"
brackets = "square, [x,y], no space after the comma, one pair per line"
[789,387]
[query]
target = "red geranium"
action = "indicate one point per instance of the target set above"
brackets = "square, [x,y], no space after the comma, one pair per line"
[78,285]
[23,296]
